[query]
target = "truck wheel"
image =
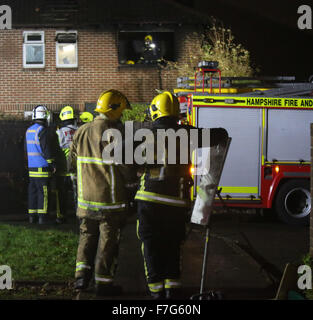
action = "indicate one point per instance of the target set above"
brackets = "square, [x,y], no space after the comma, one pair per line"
[293,202]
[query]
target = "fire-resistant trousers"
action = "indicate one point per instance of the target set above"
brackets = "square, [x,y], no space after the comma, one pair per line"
[38,195]
[161,229]
[98,247]
[63,186]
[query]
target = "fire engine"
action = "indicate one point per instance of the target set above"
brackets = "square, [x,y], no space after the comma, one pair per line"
[268,162]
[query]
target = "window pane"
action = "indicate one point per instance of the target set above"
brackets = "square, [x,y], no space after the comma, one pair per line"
[67,54]
[34,54]
[34,37]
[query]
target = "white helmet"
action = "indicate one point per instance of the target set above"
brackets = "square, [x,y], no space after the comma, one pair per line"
[40,113]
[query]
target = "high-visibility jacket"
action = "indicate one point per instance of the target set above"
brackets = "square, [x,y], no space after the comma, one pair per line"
[65,138]
[38,151]
[170,184]
[100,183]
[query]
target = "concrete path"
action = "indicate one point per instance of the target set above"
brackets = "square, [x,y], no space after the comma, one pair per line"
[247,255]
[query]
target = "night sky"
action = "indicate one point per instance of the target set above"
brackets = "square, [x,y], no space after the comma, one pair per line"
[268,29]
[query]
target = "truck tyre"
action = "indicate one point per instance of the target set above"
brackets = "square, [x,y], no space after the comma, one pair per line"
[293,202]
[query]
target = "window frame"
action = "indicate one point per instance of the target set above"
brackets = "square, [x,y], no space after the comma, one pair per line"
[33,42]
[57,44]
[155,32]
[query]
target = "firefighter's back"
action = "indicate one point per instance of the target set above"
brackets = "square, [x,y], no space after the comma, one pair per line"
[100,182]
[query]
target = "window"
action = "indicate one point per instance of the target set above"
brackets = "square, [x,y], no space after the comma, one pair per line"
[66,49]
[145,47]
[34,49]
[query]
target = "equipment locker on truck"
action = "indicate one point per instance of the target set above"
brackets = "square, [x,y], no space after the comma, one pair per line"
[268,163]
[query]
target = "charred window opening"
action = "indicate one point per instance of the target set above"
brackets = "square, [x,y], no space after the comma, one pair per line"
[145,48]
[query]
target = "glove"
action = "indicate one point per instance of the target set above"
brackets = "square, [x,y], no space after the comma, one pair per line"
[52,167]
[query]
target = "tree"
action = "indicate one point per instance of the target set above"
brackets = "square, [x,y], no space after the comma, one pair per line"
[215,44]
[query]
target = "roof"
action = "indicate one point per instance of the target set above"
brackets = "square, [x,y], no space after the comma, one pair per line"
[282,12]
[99,13]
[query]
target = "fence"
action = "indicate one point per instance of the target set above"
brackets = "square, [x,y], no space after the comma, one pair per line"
[13,173]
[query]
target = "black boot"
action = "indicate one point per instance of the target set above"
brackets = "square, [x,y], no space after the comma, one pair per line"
[103,290]
[33,218]
[157,295]
[43,219]
[60,220]
[81,283]
[173,294]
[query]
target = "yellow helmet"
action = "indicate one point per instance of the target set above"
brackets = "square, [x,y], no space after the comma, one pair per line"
[112,103]
[164,105]
[67,113]
[86,117]
[148,38]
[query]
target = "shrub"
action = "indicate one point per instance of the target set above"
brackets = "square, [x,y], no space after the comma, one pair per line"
[137,113]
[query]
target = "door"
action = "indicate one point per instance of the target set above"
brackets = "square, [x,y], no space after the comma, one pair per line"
[241,175]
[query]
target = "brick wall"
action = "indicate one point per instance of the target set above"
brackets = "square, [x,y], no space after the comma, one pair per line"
[21,89]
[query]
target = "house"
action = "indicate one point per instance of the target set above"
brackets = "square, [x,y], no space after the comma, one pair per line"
[69,51]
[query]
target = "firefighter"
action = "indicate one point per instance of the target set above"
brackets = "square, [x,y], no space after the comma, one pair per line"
[86,117]
[163,202]
[41,165]
[151,52]
[64,179]
[102,197]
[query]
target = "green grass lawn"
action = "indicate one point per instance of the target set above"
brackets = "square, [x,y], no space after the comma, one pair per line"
[41,255]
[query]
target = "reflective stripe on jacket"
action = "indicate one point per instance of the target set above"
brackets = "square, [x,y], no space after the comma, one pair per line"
[173,191]
[40,172]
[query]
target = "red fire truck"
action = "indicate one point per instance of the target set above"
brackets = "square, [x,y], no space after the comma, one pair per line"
[268,162]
